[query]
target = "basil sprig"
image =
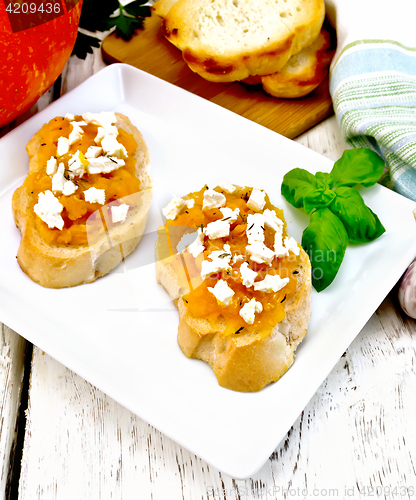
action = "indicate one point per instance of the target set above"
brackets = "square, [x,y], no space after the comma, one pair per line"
[338,213]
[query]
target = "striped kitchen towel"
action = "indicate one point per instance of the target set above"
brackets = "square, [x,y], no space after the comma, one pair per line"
[373,82]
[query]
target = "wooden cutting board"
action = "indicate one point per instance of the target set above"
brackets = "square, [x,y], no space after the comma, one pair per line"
[149,51]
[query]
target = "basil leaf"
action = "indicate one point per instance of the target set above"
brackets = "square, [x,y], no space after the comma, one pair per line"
[325,241]
[325,179]
[357,166]
[320,198]
[297,184]
[361,223]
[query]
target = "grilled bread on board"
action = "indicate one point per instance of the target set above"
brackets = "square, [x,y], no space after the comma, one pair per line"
[229,40]
[242,287]
[84,204]
[302,73]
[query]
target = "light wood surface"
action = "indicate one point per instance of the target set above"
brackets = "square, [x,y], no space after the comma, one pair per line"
[355,439]
[150,51]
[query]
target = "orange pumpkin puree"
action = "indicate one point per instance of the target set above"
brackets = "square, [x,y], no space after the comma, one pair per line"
[77,211]
[200,301]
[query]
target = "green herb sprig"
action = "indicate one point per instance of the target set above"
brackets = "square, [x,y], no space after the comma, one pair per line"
[338,213]
[97,15]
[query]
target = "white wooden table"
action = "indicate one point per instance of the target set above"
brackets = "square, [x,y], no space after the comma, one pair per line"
[61,438]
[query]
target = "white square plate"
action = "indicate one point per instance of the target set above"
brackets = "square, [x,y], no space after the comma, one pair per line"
[119,333]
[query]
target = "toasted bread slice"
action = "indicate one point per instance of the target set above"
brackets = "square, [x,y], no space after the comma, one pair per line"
[248,357]
[229,40]
[303,72]
[58,265]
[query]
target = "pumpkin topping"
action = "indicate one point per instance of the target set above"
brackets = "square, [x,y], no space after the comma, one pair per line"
[242,265]
[87,164]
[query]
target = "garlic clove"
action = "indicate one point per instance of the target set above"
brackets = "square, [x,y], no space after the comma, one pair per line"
[407,291]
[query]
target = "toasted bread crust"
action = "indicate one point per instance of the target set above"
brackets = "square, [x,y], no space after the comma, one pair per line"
[247,361]
[57,266]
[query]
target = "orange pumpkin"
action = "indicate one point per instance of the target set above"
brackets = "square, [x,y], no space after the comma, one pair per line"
[36,40]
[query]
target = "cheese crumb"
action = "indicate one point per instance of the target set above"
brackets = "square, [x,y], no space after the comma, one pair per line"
[76,132]
[220,261]
[48,208]
[173,208]
[249,310]
[94,195]
[260,253]
[271,283]
[255,228]
[51,165]
[248,275]
[271,220]
[76,165]
[93,152]
[228,188]
[119,212]
[58,180]
[213,199]
[223,293]
[229,214]
[292,245]
[63,146]
[69,188]
[257,200]
[104,164]
[112,147]
[217,229]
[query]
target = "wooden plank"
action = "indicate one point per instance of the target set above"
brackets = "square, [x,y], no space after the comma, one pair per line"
[151,52]
[12,351]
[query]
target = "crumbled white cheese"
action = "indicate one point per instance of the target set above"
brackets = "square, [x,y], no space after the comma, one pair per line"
[197,246]
[63,146]
[249,310]
[119,212]
[213,199]
[76,132]
[217,229]
[271,283]
[58,180]
[48,208]
[255,228]
[75,165]
[173,208]
[260,253]
[236,257]
[112,147]
[271,220]
[94,195]
[69,116]
[220,261]
[223,293]
[292,245]
[257,200]
[279,249]
[104,164]
[247,274]
[104,119]
[228,188]
[190,203]
[229,214]
[93,152]
[69,188]
[51,165]
[104,132]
